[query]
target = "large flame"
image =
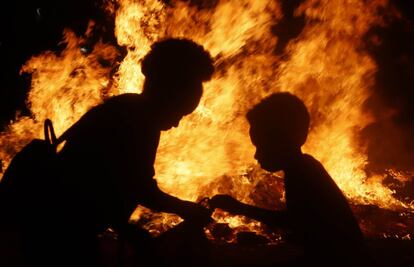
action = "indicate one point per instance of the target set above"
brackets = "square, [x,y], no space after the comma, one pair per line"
[210,152]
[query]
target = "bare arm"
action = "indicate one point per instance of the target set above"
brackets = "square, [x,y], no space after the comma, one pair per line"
[161,201]
[269,217]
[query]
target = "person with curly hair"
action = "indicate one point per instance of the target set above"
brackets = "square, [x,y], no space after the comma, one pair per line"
[317,215]
[106,165]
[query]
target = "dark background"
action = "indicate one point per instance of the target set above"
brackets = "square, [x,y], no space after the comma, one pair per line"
[30,27]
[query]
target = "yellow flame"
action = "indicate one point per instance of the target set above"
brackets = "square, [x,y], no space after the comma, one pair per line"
[210,152]
[64,86]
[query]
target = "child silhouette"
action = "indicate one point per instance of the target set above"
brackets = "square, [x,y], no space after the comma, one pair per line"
[317,212]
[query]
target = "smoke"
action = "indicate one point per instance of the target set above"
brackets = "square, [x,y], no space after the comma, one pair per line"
[290,26]
[390,139]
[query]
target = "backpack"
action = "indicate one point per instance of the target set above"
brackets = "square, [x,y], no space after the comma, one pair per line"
[28,179]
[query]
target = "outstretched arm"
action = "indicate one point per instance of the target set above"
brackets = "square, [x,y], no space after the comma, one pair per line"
[269,217]
[161,201]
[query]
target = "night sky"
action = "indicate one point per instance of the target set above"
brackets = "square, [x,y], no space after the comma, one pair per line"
[32,26]
[28,28]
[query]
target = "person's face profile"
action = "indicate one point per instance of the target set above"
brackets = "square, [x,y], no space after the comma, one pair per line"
[174,109]
[172,122]
[270,148]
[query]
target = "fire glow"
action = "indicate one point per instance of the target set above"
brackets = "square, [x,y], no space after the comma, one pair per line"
[210,152]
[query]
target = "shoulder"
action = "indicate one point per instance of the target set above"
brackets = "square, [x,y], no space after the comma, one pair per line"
[128,98]
[320,180]
[115,109]
[312,163]
[124,102]
[313,171]
[109,115]
[307,164]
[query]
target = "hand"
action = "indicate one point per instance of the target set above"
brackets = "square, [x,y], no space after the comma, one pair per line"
[196,213]
[225,202]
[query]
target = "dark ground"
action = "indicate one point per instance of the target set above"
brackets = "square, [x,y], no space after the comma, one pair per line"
[386,253]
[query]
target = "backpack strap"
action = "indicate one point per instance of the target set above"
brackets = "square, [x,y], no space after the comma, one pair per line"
[49,131]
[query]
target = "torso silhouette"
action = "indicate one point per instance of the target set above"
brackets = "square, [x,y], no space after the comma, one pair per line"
[108,158]
[104,170]
[320,214]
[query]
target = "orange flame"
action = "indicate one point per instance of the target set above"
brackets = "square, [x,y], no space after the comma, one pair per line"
[210,152]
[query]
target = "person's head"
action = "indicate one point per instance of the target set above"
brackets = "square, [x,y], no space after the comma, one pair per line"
[174,71]
[278,128]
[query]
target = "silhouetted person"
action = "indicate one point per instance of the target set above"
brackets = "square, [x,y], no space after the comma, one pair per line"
[317,212]
[107,160]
